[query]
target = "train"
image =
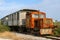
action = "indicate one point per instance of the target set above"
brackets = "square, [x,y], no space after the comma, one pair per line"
[30,21]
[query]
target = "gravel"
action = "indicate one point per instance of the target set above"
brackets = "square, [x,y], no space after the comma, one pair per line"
[30,37]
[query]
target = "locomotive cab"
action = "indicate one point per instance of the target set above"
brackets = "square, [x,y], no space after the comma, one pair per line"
[38,22]
[34,19]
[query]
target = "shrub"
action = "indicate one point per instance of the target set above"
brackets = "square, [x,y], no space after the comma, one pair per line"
[57,31]
[3,27]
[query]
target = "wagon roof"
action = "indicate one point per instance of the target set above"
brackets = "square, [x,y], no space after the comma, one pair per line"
[21,10]
[28,10]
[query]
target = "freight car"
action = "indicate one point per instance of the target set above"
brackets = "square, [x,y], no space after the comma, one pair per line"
[30,21]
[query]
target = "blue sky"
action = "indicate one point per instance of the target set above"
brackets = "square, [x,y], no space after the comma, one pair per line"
[51,7]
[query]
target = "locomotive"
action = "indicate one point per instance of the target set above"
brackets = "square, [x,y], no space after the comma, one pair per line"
[30,21]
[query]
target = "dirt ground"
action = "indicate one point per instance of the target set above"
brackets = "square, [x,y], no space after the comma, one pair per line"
[16,36]
[9,35]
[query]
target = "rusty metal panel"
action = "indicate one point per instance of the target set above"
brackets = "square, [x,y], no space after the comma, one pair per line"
[46,31]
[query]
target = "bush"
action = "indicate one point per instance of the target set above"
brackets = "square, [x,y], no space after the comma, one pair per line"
[57,31]
[4,28]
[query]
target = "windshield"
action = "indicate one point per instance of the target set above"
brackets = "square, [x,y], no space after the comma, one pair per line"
[37,15]
[41,16]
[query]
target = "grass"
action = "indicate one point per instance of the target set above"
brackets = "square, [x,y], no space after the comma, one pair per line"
[4,27]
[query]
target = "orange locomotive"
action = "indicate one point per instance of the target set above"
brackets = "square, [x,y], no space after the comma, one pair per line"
[37,22]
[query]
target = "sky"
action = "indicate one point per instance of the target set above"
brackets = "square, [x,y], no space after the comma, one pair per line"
[50,7]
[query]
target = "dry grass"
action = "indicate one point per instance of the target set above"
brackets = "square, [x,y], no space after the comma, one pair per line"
[9,35]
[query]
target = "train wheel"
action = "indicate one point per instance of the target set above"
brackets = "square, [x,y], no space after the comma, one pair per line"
[35,33]
[28,31]
[20,30]
[32,32]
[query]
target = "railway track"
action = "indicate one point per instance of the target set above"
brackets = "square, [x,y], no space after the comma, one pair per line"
[47,37]
[52,37]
